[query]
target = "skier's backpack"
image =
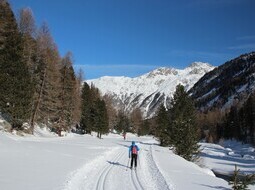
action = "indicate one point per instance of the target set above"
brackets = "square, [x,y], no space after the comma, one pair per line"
[134,150]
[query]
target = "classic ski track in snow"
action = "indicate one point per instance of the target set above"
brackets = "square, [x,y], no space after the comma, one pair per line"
[101,182]
[108,170]
[104,164]
[111,167]
[134,177]
[135,180]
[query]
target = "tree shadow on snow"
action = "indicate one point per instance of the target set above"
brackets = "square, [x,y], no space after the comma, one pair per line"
[247,165]
[239,160]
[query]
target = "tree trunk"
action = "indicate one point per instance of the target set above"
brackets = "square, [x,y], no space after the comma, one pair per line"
[38,102]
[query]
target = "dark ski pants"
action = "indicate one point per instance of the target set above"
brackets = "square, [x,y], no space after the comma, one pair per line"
[133,159]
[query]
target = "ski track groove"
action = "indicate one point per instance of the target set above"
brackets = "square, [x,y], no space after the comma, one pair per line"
[112,166]
[136,182]
[135,178]
[136,172]
[103,176]
[101,182]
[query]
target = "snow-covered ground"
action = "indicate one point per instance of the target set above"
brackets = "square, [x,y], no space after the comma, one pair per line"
[223,158]
[85,162]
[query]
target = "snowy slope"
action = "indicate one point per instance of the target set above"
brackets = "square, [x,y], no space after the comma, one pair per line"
[77,162]
[231,83]
[85,162]
[148,91]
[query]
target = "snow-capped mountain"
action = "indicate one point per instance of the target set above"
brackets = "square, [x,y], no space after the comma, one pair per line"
[150,90]
[228,84]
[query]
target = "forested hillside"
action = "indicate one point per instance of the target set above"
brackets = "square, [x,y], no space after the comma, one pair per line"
[37,85]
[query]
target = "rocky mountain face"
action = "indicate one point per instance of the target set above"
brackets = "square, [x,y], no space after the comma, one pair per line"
[149,91]
[226,85]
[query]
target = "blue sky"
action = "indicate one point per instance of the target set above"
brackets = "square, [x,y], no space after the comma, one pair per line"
[132,37]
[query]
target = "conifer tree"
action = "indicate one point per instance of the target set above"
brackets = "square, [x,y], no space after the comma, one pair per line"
[15,79]
[77,98]
[185,133]
[94,115]
[101,118]
[86,104]
[232,125]
[27,29]
[136,119]
[249,119]
[163,128]
[123,123]
[111,111]
[47,104]
[67,95]
[241,183]
[145,128]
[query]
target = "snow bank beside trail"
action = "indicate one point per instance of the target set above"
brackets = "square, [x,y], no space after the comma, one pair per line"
[223,158]
[182,174]
[43,132]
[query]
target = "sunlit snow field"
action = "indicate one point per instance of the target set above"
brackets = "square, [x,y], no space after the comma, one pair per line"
[47,162]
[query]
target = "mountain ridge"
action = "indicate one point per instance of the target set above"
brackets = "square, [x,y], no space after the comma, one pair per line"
[228,84]
[148,91]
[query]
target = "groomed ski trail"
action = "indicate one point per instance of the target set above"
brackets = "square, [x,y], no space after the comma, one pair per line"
[111,172]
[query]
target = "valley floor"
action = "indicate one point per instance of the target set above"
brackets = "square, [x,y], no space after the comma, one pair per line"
[85,162]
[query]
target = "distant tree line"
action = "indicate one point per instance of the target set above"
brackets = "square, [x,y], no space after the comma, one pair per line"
[182,126]
[236,123]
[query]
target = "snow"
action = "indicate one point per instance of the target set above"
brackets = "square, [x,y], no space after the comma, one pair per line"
[162,80]
[76,162]
[223,158]
[152,81]
[242,88]
[208,93]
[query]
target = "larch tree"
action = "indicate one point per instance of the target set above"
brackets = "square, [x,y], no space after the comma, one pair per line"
[15,79]
[27,29]
[77,98]
[47,104]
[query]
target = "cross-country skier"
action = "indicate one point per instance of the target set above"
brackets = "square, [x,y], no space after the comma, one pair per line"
[133,151]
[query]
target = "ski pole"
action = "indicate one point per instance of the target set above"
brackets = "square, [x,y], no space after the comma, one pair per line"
[128,164]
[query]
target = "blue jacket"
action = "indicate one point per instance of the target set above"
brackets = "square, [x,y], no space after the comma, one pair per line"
[130,149]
